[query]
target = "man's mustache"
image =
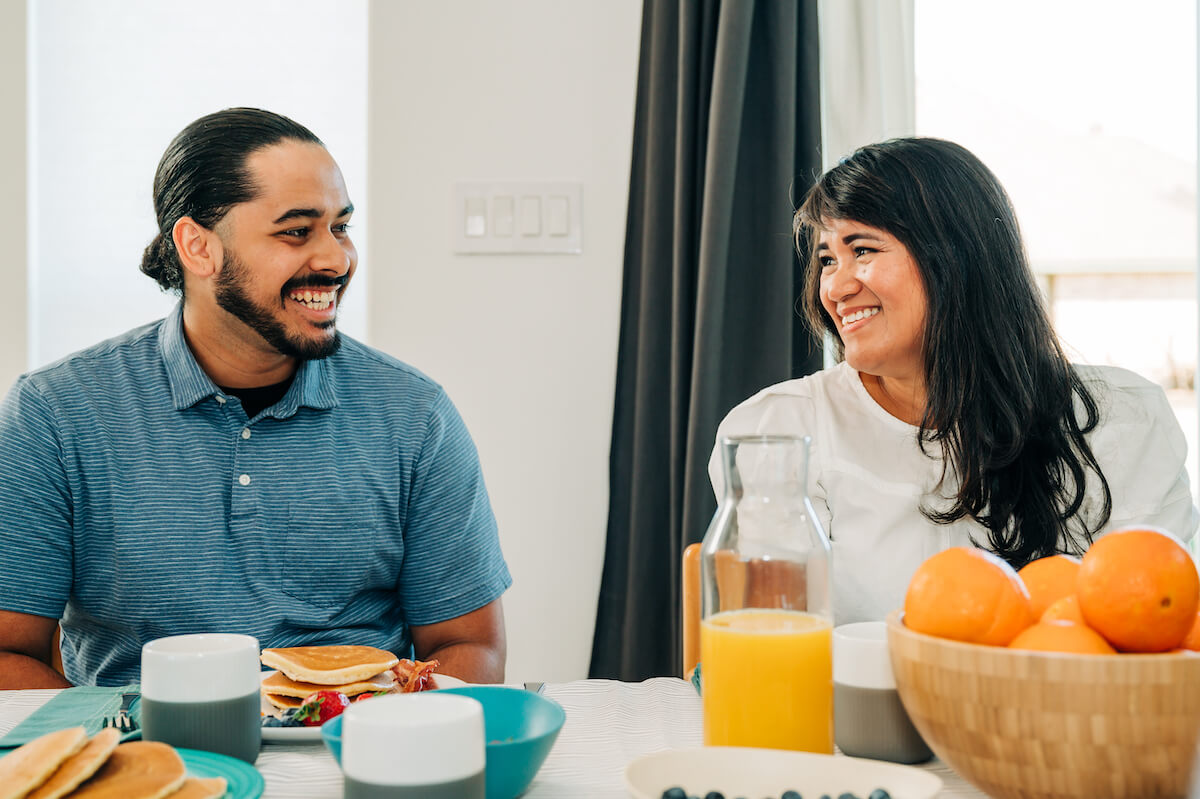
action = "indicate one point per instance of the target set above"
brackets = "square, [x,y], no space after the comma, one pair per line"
[315,282]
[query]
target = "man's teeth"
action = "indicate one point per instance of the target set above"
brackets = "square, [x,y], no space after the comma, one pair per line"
[857,315]
[317,300]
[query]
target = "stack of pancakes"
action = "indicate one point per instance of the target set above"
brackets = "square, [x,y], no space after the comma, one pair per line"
[304,670]
[66,763]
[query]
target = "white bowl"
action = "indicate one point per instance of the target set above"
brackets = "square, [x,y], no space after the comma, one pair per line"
[736,771]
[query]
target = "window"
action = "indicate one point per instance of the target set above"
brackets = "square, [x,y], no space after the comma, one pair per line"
[1087,114]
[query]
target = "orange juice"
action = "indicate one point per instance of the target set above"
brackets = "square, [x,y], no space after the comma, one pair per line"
[767,680]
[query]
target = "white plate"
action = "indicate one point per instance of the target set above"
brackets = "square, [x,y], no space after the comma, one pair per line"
[769,772]
[301,734]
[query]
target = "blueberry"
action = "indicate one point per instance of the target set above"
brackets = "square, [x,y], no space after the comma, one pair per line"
[791,795]
[847,795]
[879,793]
[714,795]
[674,793]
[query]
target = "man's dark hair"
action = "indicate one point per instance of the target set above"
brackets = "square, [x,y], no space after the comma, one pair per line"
[203,174]
[1001,393]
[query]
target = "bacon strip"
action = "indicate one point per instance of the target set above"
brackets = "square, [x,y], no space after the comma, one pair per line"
[414,675]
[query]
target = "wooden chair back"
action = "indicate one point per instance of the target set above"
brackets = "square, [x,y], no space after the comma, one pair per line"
[56,651]
[690,609]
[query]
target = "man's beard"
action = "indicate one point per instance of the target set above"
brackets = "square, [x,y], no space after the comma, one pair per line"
[232,295]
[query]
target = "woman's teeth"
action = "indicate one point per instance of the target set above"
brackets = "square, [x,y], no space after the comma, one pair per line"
[857,315]
[317,300]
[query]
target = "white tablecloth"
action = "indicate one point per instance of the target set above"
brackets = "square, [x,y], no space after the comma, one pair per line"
[608,724]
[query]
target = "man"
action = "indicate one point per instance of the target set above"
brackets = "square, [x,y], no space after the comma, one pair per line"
[240,466]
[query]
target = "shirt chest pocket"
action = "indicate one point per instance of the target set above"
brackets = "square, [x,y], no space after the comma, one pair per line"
[337,552]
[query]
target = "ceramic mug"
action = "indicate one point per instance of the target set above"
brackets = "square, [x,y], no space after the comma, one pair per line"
[414,746]
[869,719]
[203,692]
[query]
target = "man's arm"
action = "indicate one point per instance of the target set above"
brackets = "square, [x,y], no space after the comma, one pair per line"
[35,538]
[25,644]
[471,647]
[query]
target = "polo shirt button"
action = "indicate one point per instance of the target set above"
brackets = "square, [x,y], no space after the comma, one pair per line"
[244,479]
[245,432]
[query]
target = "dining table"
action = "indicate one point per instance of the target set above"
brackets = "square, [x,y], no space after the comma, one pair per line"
[608,724]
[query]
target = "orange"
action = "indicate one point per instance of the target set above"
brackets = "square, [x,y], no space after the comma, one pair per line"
[1049,579]
[967,594]
[1065,609]
[1192,639]
[1138,587]
[1062,636]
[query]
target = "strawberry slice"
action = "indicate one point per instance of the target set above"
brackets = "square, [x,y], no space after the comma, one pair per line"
[320,707]
[368,695]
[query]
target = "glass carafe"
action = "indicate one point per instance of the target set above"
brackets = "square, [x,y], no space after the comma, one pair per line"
[766,659]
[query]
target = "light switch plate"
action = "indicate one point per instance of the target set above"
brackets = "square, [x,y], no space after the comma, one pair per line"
[522,217]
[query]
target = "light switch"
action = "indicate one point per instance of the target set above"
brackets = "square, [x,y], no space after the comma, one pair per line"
[531,216]
[476,217]
[558,215]
[516,217]
[502,215]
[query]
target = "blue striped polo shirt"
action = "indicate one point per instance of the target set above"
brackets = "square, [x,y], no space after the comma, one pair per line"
[137,500]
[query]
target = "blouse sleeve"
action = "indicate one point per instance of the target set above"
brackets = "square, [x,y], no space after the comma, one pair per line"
[1143,454]
[787,409]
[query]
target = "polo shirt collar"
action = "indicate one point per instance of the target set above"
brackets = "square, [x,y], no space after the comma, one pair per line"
[312,388]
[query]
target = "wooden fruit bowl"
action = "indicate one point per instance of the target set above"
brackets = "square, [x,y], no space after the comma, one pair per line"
[1042,725]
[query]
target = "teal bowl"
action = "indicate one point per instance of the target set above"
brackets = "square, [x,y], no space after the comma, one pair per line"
[520,727]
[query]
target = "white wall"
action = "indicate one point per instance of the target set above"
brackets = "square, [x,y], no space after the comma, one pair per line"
[525,345]
[13,219]
[469,90]
[106,107]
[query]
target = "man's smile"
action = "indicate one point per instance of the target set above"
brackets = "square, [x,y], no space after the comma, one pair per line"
[314,300]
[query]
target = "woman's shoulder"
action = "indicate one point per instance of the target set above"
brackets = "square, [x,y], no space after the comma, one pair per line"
[1124,396]
[791,405]
[1114,377]
[815,386]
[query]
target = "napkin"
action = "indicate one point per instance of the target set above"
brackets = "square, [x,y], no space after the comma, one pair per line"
[84,706]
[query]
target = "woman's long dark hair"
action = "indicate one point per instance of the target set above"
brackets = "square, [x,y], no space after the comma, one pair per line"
[1000,392]
[203,174]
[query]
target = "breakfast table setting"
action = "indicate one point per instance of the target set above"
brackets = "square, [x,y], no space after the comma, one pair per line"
[970,690]
[609,724]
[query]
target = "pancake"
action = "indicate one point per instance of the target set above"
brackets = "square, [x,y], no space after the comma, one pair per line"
[329,665]
[284,702]
[195,788]
[79,766]
[28,766]
[136,770]
[282,685]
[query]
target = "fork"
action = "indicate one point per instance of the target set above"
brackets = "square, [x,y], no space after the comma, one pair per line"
[123,721]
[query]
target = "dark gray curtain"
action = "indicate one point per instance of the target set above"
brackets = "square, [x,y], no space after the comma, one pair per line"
[726,139]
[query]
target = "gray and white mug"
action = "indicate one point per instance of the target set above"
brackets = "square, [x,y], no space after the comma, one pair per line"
[869,720]
[414,746]
[202,691]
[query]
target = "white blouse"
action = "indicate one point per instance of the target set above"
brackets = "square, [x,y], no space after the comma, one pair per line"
[867,476]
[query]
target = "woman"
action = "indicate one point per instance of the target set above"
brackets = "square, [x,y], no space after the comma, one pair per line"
[955,418]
